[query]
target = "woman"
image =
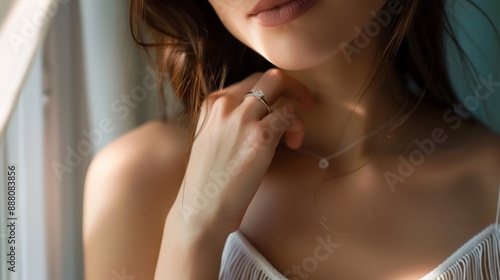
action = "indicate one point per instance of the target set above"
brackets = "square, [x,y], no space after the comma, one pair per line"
[320,139]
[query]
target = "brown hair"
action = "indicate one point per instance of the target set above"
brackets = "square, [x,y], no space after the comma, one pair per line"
[200,56]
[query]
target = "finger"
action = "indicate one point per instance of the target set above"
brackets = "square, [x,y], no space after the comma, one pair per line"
[275,83]
[282,85]
[285,120]
[227,93]
[242,86]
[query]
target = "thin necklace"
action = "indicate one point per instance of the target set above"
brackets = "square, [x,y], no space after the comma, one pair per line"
[324,161]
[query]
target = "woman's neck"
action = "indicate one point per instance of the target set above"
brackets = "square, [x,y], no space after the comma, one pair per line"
[341,117]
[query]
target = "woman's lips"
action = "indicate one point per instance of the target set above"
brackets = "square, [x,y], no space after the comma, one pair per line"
[276,12]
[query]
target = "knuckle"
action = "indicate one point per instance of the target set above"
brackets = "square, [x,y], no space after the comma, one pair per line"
[210,99]
[222,102]
[262,134]
[275,74]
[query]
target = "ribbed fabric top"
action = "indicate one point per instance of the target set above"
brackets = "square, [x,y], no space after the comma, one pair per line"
[479,258]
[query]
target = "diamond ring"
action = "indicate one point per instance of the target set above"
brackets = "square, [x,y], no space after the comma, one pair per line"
[259,94]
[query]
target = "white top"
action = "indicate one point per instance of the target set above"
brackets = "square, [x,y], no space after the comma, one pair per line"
[477,259]
[241,261]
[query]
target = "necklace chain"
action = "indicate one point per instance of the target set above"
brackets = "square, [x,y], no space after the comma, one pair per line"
[324,164]
[324,161]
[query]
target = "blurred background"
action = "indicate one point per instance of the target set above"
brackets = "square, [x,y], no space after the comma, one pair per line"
[72,81]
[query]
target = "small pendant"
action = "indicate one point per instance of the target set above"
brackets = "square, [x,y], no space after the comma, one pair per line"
[323,163]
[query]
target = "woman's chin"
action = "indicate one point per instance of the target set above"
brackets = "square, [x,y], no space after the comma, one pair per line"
[298,61]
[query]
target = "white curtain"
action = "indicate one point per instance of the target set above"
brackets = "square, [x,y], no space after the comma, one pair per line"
[71,81]
[76,83]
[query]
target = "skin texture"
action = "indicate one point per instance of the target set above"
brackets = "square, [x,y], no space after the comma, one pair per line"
[311,39]
[308,50]
[419,220]
[129,189]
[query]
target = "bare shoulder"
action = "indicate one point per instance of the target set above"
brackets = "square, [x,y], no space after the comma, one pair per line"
[482,150]
[148,151]
[467,157]
[129,188]
[142,161]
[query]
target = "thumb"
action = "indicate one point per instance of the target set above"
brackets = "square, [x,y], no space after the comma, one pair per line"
[285,120]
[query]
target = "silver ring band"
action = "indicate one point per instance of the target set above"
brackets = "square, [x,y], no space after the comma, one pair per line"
[259,94]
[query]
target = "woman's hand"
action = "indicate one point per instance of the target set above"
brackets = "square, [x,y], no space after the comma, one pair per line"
[234,147]
[235,143]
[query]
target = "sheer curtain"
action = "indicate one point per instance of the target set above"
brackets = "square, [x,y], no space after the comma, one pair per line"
[476,35]
[71,81]
[21,207]
[75,82]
